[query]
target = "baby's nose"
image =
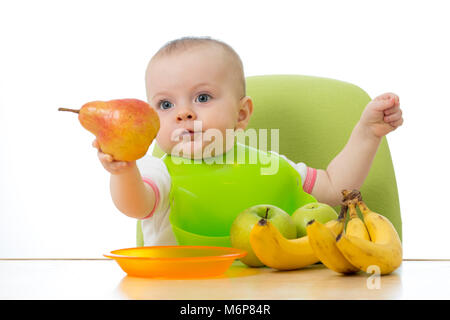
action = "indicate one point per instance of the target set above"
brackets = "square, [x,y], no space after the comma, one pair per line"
[186,114]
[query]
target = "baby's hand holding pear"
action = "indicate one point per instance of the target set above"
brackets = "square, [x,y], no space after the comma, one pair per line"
[108,162]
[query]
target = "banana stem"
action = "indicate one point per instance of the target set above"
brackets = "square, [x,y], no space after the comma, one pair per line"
[350,194]
[71,110]
[352,209]
[350,199]
[345,194]
[343,213]
[363,207]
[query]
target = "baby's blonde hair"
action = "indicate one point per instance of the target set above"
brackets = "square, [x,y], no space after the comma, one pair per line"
[184,43]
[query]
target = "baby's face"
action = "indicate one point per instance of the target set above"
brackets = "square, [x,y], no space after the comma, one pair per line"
[198,87]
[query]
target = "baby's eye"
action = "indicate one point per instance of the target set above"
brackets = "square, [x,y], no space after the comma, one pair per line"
[203,97]
[164,104]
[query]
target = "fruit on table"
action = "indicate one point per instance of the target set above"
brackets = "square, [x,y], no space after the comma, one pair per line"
[323,243]
[124,128]
[244,222]
[318,211]
[278,252]
[384,250]
[355,226]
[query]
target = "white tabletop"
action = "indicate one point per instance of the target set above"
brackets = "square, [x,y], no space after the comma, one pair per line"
[103,279]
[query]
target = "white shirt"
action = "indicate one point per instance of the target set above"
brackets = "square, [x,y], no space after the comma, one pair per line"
[156,228]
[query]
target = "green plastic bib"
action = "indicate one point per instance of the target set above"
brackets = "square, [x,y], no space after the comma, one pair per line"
[206,197]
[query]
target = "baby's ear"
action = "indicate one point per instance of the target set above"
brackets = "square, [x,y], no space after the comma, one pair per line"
[245,109]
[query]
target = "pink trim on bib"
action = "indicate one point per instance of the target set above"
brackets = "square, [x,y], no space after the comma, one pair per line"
[156,191]
[310,179]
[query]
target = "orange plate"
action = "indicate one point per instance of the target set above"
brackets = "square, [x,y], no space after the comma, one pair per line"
[176,262]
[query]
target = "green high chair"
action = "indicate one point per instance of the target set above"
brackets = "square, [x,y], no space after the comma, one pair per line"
[315,117]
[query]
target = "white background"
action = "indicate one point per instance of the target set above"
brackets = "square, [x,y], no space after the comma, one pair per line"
[54,193]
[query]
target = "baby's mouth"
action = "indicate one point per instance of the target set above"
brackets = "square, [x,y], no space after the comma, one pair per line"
[190,133]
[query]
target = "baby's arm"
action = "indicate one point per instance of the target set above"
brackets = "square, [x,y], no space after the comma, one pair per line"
[350,167]
[129,193]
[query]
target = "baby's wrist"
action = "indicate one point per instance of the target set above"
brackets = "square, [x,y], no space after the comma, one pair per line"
[366,133]
[128,168]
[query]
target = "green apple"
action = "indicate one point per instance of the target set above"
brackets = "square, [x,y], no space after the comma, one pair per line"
[315,210]
[244,222]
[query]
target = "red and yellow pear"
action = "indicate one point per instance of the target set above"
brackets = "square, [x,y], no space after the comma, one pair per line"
[124,128]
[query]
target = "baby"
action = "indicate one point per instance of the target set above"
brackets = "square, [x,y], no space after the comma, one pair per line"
[201,80]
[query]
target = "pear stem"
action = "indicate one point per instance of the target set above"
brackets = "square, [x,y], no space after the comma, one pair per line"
[71,110]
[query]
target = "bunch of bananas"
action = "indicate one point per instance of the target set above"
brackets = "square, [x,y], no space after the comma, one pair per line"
[373,242]
[278,252]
